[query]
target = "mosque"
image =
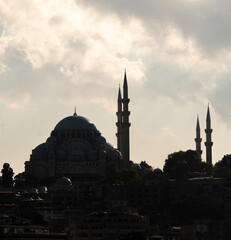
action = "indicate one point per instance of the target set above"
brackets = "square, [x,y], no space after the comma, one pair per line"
[77,150]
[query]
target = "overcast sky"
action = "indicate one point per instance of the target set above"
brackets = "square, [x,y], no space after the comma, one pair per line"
[58,54]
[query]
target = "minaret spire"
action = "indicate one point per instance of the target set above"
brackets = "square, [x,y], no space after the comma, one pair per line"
[208,119]
[198,138]
[125,86]
[208,142]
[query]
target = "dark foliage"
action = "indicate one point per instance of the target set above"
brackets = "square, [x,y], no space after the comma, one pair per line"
[223,167]
[7,175]
[179,163]
[126,176]
[20,180]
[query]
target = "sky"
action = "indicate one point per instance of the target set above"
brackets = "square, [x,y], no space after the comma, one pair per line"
[58,54]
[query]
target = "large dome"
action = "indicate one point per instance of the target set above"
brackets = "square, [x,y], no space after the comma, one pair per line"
[75,122]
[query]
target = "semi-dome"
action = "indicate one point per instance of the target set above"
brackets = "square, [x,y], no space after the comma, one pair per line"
[40,149]
[75,122]
[157,171]
[63,181]
[42,190]
[113,154]
[136,166]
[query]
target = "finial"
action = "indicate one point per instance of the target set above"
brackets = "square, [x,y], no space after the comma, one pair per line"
[208,114]
[125,80]
[125,74]
[119,95]
[198,124]
[75,114]
[208,108]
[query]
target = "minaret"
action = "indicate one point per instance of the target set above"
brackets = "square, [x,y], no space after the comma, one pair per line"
[208,142]
[126,125]
[198,139]
[119,121]
[123,124]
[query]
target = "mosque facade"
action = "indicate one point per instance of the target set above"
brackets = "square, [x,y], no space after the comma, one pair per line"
[77,150]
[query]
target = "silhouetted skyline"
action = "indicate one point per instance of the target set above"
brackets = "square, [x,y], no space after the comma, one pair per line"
[58,55]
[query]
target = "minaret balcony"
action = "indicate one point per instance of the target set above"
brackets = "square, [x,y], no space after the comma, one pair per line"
[208,131]
[198,139]
[208,144]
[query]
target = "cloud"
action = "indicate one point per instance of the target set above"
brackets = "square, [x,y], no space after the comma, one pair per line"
[167,131]
[65,34]
[205,21]
[83,43]
[64,51]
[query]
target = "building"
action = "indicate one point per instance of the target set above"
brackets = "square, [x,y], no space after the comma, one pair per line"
[109,225]
[77,150]
[29,232]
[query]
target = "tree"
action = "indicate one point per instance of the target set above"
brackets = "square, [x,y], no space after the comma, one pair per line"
[225,161]
[179,163]
[207,168]
[145,167]
[7,175]
[223,167]
[20,180]
[222,172]
[128,175]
